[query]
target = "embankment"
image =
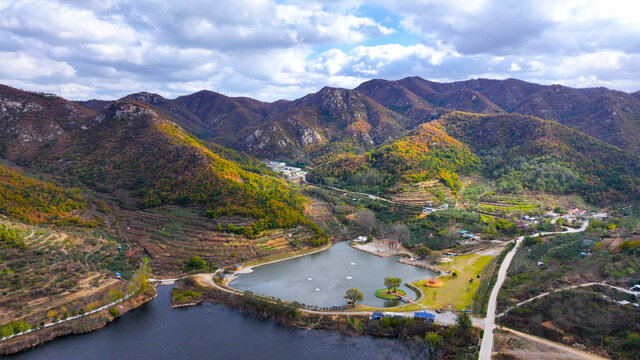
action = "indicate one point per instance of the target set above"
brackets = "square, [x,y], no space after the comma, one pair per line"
[78,326]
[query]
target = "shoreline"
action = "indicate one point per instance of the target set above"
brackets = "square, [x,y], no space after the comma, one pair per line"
[85,324]
[402,258]
[207,280]
[249,268]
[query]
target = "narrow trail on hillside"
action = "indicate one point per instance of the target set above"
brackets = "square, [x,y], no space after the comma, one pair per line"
[490,321]
[561,347]
[564,289]
[372,197]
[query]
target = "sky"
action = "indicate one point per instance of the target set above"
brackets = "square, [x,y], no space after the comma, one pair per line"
[284,49]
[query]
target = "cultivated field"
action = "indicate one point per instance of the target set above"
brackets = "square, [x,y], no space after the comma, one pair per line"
[56,271]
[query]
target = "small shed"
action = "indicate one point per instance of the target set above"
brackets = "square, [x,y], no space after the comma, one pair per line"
[361,239]
[377,315]
[118,274]
[423,315]
[540,263]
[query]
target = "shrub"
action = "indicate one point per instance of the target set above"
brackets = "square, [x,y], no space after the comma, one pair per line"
[114,312]
[434,340]
[196,263]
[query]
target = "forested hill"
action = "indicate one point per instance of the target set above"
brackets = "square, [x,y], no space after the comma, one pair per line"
[378,111]
[517,152]
[128,145]
[384,133]
[609,115]
[527,152]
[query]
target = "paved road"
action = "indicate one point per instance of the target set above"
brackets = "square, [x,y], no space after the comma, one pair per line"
[490,321]
[446,318]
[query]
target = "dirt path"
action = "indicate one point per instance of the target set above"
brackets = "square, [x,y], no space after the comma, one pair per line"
[563,289]
[555,346]
[372,197]
[490,321]
[71,318]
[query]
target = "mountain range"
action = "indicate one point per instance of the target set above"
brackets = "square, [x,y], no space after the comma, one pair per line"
[380,110]
[200,149]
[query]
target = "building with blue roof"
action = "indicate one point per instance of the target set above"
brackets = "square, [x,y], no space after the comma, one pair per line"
[423,315]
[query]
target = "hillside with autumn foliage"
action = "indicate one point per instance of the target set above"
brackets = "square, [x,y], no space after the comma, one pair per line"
[37,201]
[424,153]
[131,147]
[524,152]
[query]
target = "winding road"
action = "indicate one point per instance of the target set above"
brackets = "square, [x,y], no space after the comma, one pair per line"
[490,321]
[563,289]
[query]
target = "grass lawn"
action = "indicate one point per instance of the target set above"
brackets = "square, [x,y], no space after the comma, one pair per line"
[456,290]
[382,293]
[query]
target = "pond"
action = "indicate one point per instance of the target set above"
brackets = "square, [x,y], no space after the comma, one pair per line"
[208,331]
[322,278]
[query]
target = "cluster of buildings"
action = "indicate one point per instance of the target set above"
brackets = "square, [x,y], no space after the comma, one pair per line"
[429,208]
[468,237]
[290,172]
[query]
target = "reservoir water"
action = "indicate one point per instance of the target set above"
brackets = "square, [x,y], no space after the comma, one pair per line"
[323,278]
[208,331]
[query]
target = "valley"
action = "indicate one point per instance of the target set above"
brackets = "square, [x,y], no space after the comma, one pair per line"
[102,199]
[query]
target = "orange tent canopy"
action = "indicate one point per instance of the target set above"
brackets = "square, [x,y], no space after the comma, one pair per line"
[434,282]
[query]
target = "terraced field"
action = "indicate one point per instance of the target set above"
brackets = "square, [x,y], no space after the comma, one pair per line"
[56,270]
[483,198]
[170,236]
[419,193]
[504,205]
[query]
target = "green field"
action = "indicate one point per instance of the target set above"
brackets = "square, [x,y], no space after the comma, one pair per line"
[457,291]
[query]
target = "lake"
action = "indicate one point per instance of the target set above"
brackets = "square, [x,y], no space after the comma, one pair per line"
[322,278]
[208,331]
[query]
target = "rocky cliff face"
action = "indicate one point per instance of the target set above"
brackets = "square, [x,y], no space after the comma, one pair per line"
[31,121]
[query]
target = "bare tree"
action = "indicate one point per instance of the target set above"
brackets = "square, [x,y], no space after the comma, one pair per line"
[434,257]
[451,234]
[366,220]
[398,232]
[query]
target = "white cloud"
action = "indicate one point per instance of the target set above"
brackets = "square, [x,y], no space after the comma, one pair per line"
[23,66]
[272,49]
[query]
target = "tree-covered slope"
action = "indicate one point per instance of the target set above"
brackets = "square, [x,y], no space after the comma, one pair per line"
[608,115]
[133,144]
[422,154]
[516,148]
[30,200]
[131,147]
